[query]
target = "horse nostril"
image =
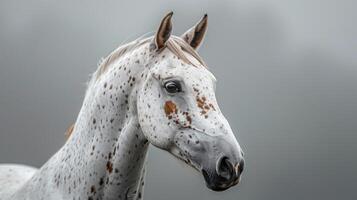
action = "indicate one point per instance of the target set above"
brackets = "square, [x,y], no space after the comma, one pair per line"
[240,167]
[225,168]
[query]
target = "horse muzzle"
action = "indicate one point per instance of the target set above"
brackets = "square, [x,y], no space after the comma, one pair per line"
[226,174]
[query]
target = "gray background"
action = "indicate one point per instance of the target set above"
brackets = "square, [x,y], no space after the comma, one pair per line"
[286,73]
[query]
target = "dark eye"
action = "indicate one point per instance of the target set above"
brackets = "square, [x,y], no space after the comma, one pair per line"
[172,87]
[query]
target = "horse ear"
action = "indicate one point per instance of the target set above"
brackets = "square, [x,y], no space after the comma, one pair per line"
[194,36]
[164,31]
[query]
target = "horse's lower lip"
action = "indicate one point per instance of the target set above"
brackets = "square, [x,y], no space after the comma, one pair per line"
[218,189]
[215,186]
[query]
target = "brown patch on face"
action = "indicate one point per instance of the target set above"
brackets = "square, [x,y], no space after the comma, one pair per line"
[170,108]
[203,105]
[173,113]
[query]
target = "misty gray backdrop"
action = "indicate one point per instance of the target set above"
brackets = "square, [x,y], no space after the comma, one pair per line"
[286,73]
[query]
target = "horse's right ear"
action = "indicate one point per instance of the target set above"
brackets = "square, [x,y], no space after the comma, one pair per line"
[164,31]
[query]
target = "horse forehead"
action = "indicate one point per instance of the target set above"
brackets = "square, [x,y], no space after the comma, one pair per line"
[171,65]
[188,71]
[199,77]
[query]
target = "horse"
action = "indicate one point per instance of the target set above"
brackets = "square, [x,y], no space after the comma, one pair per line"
[154,90]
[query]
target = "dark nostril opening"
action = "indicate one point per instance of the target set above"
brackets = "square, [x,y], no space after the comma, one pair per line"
[225,168]
[241,167]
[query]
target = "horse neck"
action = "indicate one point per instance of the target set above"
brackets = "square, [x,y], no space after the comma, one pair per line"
[105,155]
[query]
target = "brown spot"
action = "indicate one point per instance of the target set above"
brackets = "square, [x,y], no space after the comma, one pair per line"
[101,181]
[211,105]
[189,119]
[92,189]
[170,108]
[200,103]
[109,166]
[69,131]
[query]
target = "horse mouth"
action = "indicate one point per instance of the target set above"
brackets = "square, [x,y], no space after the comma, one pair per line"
[216,185]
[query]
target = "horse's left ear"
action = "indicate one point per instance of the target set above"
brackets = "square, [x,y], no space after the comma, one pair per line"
[194,36]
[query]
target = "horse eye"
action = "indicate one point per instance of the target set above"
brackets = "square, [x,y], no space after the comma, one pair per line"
[172,87]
